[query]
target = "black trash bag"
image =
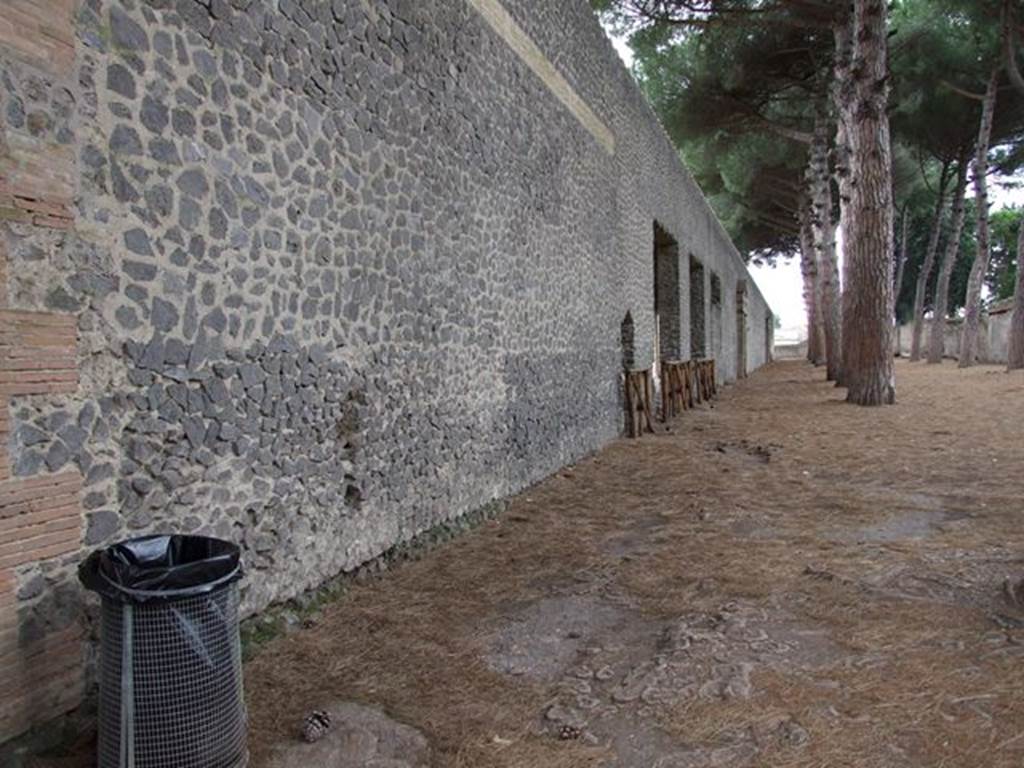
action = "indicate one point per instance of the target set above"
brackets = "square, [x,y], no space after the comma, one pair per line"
[161,568]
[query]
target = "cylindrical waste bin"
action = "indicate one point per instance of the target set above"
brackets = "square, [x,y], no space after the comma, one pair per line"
[170,672]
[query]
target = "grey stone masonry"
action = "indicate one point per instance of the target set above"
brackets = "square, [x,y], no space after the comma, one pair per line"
[346,270]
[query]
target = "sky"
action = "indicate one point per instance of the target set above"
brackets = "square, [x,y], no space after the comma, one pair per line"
[782,285]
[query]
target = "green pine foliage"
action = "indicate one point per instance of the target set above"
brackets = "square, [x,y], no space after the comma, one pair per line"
[734,88]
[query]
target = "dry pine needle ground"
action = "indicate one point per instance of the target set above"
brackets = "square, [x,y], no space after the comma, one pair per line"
[886,531]
[890,529]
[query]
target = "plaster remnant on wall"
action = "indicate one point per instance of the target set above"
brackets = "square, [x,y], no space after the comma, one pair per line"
[509,31]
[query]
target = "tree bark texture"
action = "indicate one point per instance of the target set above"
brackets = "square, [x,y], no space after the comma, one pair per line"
[1015,349]
[897,283]
[940,307]
[867,325]
[928,265]
[972,309]
[901,262]
[1010,47]
[812,289]
[843,104]
[824,231]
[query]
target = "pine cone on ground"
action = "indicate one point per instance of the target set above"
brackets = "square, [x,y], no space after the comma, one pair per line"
[316,725]
[569,732]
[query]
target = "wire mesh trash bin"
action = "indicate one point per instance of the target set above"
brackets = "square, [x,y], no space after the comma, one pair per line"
[170,672]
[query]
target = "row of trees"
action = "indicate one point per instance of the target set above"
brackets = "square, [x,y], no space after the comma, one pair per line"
[802,119]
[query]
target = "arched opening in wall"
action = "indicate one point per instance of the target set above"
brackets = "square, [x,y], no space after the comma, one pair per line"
[698,312]
[741,329]
[628,340]
[667,316]
[716,317]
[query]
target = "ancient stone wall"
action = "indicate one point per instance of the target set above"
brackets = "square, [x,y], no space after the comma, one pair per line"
[41,525]
[312,276]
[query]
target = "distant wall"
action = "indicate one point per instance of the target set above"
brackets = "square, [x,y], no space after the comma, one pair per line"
[313,277]
[993,337]
[999,334]
[791,351]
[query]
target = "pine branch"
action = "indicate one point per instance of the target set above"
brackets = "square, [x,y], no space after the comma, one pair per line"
[1012,67]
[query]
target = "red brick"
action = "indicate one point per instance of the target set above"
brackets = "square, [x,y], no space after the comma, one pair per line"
[38,353]
[40,517]
[43,547]
[28,487]
[38,388]
[40,368]
[39,32]
[53,518]
[5,436]
[3,274]
[50,208]
[53,222]
[6,587]
[35,171]
[20,317]
[20,498]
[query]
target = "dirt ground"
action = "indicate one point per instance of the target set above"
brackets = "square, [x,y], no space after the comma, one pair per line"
[778,580]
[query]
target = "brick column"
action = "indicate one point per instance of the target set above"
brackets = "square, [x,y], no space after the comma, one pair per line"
[40,516]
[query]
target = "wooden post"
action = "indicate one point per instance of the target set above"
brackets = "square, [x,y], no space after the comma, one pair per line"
[627,402]
[666,392]
[688,373]
[639,401]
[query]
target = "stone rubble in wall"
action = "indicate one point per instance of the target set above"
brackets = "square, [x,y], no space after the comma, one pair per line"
[302,173]
[238,191]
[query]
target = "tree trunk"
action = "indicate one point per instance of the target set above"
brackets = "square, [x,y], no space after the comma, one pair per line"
[972,309]
[928,265]
[812,289]
[940,307]
[1010,47]
[901,262]
[1015,349]
[867,336]
[824,230]
[897,283]
[843,103]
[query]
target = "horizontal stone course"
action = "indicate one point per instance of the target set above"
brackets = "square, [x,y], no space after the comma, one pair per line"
[38,353]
